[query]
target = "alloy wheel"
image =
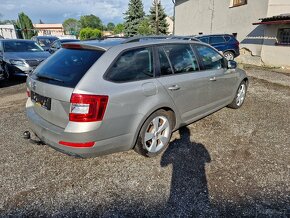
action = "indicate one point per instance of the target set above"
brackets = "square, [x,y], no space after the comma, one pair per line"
[157,134]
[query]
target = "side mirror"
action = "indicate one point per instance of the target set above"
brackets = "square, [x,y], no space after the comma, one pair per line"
[232,64]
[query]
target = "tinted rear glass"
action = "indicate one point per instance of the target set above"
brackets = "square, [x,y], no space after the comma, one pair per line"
[217,39]
[66,67]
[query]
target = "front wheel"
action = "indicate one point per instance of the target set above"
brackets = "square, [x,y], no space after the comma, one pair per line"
[240,96]
[155,134]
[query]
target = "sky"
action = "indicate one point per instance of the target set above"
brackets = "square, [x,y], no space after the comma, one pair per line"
[56,11]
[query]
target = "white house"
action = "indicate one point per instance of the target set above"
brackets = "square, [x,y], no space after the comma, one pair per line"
[262,26]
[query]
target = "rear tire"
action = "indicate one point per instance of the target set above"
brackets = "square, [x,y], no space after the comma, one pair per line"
[155,134]
[240,96]
[230,56]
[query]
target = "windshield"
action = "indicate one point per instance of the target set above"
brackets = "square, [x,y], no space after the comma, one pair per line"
[21,46]
[45,42]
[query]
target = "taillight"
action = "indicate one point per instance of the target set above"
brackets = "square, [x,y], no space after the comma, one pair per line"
[87,108]
[28,92]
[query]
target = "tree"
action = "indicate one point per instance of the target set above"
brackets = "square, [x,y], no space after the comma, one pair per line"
[162,27]
[145,28]
[89,33]
[119,28]
[133,17]
[72,26]
[26,26]
[91,21]
[110,26]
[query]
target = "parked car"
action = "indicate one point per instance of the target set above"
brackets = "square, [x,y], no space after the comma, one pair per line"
[2,77]
[57,44]
[20,57]
[225,43]
[44,41]
[90,99]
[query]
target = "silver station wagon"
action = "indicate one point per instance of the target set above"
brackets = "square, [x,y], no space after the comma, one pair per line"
[99,97]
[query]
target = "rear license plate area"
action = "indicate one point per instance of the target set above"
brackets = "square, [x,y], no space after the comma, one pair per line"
[41,101]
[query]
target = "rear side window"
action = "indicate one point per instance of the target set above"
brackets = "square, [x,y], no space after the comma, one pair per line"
[204,39]
[182,58]
[132,65]
[67,67]
[227,38]
[211,59]
[217,39]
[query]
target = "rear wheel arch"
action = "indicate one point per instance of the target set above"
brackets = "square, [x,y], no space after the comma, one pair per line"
[170,112]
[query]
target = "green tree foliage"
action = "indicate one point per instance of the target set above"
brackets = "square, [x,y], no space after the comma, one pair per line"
[25,24]
[91,21]
[72,26]
[110,26]
[133,17]
[145,28]
[162,24]
[89,33]
[119,28]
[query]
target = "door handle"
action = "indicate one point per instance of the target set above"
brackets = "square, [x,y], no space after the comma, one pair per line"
[212,79]
[174,88]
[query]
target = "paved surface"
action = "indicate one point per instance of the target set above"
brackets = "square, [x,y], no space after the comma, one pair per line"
[232,163]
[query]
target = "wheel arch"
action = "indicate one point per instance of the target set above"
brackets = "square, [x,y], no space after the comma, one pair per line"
[166,108]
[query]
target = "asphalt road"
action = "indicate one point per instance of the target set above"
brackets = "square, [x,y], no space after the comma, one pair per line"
[231,163]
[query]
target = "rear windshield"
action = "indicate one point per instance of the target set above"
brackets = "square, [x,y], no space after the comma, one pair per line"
[66,67]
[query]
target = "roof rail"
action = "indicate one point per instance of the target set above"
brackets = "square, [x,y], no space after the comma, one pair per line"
[159,37]
[140,38]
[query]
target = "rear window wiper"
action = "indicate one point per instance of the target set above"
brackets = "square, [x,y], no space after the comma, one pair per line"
[49,78]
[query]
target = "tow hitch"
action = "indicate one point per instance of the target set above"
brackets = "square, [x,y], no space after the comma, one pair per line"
[27,135]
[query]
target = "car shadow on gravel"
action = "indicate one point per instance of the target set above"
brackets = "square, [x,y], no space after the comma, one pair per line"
[189,190]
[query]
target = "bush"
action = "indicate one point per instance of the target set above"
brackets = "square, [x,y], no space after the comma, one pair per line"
[89,33]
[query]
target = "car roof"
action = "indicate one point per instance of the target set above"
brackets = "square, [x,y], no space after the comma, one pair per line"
[69,40]
[198,36]
[16,40]
[45,37]
[122,44]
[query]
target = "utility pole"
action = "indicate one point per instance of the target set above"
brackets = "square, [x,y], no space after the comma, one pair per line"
[174,4]
[156,2]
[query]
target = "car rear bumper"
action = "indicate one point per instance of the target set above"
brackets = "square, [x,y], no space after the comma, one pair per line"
[51,135]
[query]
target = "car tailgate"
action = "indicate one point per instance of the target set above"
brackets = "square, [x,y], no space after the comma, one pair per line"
[50,102]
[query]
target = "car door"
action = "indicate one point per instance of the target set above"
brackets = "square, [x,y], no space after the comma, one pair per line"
[223,80]
[180,75]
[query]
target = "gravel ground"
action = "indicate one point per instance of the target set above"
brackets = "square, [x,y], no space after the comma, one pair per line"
[231,163]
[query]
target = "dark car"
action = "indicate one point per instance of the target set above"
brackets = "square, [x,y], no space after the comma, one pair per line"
[20,57]
[57,44]
[1,71]
[225,43]
[44,41]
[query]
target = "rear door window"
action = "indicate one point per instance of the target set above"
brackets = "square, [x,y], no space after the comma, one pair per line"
[165,68]
[211,59]
[182,58]
[66,67]
[204,39]
[217,40]
[132,65]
